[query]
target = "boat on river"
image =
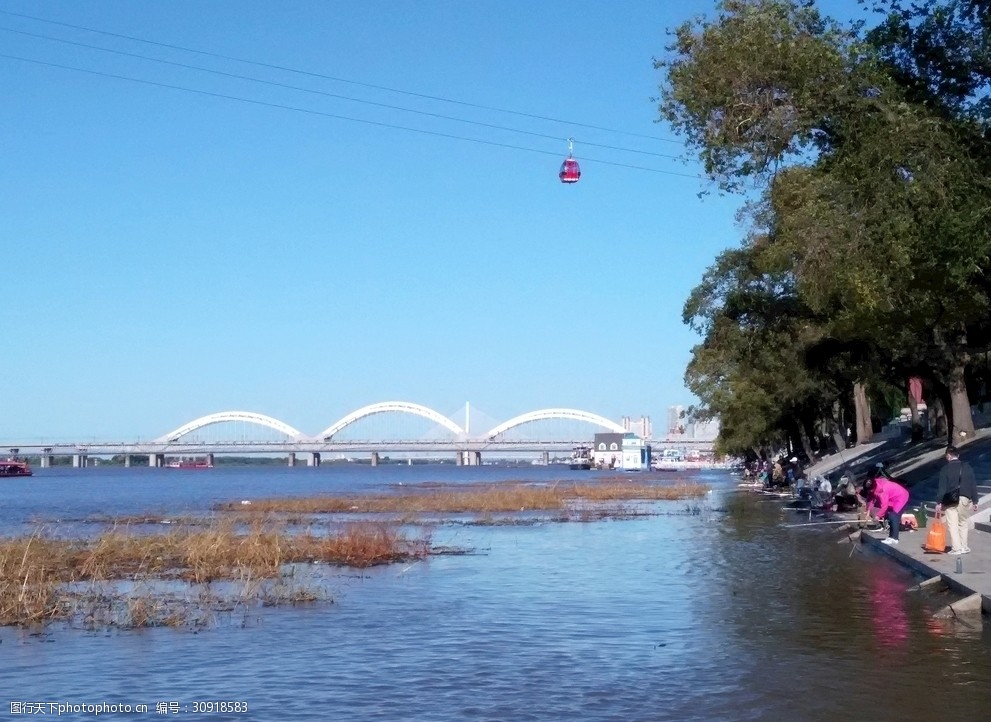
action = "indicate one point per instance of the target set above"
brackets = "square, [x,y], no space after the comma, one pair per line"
[14,467]
[183,463]
[581,458]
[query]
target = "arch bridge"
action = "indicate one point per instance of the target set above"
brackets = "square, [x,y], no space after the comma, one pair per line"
[288,440]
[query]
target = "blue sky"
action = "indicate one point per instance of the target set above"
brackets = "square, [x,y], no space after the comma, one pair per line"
[170,254]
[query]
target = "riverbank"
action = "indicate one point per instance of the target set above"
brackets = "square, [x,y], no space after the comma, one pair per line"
[972,582]
[918,466]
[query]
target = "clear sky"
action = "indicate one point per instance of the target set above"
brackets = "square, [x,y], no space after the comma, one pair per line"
[169,254]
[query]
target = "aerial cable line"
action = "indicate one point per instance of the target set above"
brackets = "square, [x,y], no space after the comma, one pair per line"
[336,79]
[333,95]
[321,113]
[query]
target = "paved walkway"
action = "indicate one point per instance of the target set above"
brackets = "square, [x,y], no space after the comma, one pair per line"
[976,575]
[918,466]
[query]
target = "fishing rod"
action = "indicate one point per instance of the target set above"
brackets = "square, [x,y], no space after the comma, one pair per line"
[818,523]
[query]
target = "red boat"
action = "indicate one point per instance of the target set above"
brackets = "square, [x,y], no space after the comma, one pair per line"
[13,467]
[189,464]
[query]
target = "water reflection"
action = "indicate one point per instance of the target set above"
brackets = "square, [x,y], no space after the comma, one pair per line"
[888,599]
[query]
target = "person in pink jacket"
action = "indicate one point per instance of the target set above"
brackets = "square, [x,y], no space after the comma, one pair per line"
[889,498]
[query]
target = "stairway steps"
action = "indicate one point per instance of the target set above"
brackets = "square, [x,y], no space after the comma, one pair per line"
[983,526]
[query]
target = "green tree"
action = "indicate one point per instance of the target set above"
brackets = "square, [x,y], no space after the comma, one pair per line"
[873,201]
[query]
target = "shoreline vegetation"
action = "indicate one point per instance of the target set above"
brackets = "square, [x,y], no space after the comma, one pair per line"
[261,553]
[488,498]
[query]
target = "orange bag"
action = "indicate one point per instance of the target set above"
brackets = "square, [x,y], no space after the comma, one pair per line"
[936,538]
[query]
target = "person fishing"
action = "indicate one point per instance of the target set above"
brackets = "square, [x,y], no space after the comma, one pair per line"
[889,498]
[846,493]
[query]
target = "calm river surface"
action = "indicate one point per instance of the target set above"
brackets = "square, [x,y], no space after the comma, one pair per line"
[715,616]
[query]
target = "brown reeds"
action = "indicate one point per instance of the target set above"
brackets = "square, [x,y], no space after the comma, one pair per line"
[484,499]
[40,577]
[35,571]
[361,544]
[29,582]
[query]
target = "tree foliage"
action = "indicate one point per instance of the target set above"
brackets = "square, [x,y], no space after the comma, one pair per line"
[870,241]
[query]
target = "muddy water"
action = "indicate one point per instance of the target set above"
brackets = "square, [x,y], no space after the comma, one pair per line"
[680,616]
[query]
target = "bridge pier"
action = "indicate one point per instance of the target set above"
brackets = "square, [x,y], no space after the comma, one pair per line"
[375,458]
[291,460]
[127,461]
[469,458]
[546,458]
[314,459]
[209,459]
[47,460]
[79,461]
[156,461]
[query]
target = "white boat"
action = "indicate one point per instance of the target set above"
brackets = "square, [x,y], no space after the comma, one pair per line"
[581,458]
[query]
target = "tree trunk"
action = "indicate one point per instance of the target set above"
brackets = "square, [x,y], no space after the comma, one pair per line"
[938,415]
[803,434]
[962,418]
[862,407]
[836,428]
[838,441]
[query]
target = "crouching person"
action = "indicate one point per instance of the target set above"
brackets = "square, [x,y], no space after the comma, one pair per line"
[889,498]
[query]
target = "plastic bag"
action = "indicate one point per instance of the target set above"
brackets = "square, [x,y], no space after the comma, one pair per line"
[936,537]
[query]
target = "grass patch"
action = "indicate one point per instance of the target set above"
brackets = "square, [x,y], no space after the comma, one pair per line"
[483,499]
[40,577]
[162,571]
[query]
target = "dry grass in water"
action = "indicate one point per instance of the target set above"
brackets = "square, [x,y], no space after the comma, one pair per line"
[249,548]
[361,544]
[35,571]
[29,581]
[487,499]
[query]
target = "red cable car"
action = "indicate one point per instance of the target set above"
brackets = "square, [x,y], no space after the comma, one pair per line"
[570,172]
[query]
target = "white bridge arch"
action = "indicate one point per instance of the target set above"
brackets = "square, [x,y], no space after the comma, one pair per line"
[403,407]
[226,416]
[543,414]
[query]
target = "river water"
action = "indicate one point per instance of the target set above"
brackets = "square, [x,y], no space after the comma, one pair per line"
[724,614]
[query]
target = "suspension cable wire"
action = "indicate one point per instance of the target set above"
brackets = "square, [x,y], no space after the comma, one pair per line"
[335,116]
[287,69]
[334,95]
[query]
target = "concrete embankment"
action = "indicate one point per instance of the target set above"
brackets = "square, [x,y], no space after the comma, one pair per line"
[918,467]
[973,583]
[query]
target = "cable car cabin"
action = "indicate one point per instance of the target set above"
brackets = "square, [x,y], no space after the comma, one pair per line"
[570,172]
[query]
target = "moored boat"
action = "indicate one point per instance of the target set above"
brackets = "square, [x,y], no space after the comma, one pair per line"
[14,467]
[189,464]
[581,458]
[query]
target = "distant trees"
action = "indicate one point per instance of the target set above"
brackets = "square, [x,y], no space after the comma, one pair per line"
[865,159]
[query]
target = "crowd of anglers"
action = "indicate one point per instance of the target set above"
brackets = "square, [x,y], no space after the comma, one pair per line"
[838,491]
[879,495]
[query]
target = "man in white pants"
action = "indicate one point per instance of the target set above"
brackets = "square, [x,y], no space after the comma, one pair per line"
[957,497]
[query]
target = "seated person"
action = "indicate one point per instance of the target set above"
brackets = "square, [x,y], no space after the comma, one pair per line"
[846,498]
[822,494]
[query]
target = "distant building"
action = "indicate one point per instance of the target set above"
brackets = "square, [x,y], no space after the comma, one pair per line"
[636,453]
[703,430]
[676,421]
[641,428]
[607,450]
[621,451]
